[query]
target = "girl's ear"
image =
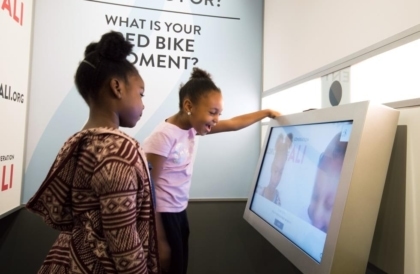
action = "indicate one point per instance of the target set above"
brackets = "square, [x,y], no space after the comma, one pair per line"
[116,86]
[187,105]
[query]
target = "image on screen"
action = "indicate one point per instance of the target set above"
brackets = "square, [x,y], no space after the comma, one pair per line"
[298,179]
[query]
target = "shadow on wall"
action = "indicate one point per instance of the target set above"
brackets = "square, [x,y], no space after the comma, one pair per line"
[222,242]
[24,242]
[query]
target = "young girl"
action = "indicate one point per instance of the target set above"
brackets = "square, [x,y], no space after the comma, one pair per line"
[170,150]
[98,191]
[277,167]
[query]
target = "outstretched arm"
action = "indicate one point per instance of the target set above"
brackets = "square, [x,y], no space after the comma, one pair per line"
[243,121]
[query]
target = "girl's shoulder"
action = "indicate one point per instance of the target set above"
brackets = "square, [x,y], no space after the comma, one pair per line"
[106,143]
[108,136]
[166,135]
[171,130]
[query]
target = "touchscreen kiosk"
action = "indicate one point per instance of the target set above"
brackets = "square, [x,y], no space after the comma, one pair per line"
[318,185]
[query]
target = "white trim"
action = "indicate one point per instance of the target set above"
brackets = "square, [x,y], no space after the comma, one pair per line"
[405,103]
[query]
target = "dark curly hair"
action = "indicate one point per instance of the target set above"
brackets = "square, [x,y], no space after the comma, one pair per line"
[199,84]
[103,60]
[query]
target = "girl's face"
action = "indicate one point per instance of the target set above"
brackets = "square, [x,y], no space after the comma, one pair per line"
[132,103]
[205,114]
[322,200]
[324,192]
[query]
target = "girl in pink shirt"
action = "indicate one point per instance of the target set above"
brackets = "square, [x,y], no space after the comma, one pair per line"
[171,149]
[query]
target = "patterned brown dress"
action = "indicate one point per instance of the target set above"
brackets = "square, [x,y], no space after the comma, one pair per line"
[98,194]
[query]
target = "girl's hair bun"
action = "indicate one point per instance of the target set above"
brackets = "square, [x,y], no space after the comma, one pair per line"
[113,46]
[198,73]
[90,48]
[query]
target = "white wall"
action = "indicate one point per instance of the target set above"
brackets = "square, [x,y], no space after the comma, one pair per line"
[302,36]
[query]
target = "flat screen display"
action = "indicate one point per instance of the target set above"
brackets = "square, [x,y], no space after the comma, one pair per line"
[298,179]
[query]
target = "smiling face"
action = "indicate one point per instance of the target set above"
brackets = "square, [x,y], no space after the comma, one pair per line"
[326,184]
[205,113]
[131,107]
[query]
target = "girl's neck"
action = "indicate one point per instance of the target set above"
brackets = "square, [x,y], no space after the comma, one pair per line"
[180,120]
[101,118]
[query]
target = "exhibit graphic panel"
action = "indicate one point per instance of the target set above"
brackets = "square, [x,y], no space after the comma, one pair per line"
[15,49]
[170,38]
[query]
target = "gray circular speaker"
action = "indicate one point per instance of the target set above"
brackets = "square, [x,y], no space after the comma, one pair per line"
[336,92]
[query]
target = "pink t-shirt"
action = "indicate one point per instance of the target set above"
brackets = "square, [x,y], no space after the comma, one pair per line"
[178,146]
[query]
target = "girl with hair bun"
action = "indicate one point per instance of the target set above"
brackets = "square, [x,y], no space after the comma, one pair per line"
[98,191]
[170,150]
